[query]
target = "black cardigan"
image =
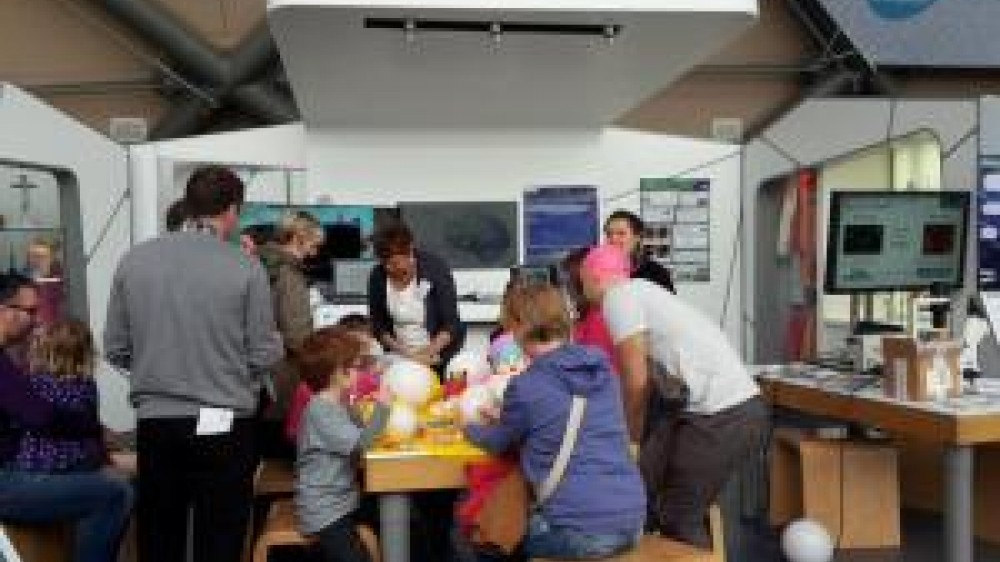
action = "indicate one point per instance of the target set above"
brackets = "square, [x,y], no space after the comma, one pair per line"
[440,304]
[653,271]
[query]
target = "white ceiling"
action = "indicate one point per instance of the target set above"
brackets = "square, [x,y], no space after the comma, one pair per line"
[346,76]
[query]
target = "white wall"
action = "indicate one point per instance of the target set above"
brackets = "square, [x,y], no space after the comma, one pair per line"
[385,167]
[819,130]
[160,169]
[36,134]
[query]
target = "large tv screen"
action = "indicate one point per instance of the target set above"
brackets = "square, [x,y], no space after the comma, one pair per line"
[895,240]
[467,235]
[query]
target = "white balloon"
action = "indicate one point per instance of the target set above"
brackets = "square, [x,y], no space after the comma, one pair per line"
[402,422]
[472,400]
[410,381]
[469,366]
[805,540]
[497,385]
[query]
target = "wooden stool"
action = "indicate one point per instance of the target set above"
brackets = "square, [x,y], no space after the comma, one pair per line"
[836,482]
[41,543]
[274,477]
[280,529]
[654,548]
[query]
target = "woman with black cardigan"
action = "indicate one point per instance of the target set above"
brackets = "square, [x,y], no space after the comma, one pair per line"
[624,229]
[412,300]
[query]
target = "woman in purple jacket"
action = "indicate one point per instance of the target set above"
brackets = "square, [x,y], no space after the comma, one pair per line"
[97,503]
[598,507]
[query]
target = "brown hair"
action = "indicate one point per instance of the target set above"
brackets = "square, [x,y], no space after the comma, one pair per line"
[540,312]
[64,349]
[211,190]
[325,352]
[513,304]
[572,264]
[393,239]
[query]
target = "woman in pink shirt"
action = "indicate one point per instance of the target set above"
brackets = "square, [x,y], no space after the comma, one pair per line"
[589,328]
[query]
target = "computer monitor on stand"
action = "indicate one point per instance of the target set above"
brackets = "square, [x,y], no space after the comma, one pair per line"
[879,241]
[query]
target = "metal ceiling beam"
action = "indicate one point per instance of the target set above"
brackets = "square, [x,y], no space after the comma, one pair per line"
[225,74]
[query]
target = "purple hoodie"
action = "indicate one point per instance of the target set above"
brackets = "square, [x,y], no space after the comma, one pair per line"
[21,408]
[601,491]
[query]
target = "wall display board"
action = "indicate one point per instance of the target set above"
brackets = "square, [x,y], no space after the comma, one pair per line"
[988,225]
[467,235]
[677,215]
[557,220]
[895,240]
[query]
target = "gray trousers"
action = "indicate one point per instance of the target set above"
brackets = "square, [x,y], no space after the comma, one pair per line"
[687,458]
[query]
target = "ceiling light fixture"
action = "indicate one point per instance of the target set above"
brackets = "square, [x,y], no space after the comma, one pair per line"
[495,28]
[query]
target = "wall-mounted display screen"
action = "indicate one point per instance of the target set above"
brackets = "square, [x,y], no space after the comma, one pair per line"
[467,235]
[895,240]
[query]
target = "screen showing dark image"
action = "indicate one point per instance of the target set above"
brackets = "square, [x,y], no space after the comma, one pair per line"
[340,241]
[863,239]
[939,239]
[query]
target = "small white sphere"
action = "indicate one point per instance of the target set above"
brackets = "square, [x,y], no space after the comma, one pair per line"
[805,540]
[410,381]
[497,385]
[469,366]
[472,401]
[402,422]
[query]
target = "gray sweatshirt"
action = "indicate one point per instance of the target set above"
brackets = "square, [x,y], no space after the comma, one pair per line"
[326,466]
[191,317]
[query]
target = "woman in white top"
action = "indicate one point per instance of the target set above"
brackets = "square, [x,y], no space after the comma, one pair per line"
[412,300]
[687,457]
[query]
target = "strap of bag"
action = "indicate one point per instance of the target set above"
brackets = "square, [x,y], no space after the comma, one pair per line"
[555,475]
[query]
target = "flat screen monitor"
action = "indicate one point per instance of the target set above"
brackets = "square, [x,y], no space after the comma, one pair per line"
[350,277]
[895,240]
[467,235]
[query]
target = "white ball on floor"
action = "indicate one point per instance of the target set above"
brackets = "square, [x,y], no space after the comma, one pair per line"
[805,540]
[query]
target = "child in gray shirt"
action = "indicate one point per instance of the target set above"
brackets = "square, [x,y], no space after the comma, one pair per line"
[331,438]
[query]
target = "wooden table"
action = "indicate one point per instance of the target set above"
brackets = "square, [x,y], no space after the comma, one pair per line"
[393,475]
[958,428]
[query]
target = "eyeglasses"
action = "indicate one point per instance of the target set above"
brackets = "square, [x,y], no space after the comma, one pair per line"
[29,310]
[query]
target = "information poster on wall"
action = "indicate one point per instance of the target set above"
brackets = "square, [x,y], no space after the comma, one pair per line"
[557,220]
[677,217]
[988,214]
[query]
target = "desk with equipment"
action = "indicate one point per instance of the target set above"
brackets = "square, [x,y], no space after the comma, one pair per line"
[891,241]
[957,424]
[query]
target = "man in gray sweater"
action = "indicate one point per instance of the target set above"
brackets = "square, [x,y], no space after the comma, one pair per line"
[190,316]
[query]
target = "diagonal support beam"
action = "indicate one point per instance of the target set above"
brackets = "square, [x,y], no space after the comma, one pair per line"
[228,75]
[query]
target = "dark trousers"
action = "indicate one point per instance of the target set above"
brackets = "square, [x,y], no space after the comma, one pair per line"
[687,459]
[209,477]
[340,542]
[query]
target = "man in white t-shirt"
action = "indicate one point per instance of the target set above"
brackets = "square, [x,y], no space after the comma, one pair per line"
[687,458]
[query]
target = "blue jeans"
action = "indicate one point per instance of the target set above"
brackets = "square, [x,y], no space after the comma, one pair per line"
[98,503]
[542,540]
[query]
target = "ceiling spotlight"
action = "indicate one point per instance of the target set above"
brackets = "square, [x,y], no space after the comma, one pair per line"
[496,30]
[610,33]
[410,30]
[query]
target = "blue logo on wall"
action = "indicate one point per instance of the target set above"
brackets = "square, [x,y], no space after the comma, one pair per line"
[899,9]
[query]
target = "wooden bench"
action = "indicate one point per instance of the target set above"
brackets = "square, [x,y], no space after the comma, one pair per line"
[654,548]
[281,529]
